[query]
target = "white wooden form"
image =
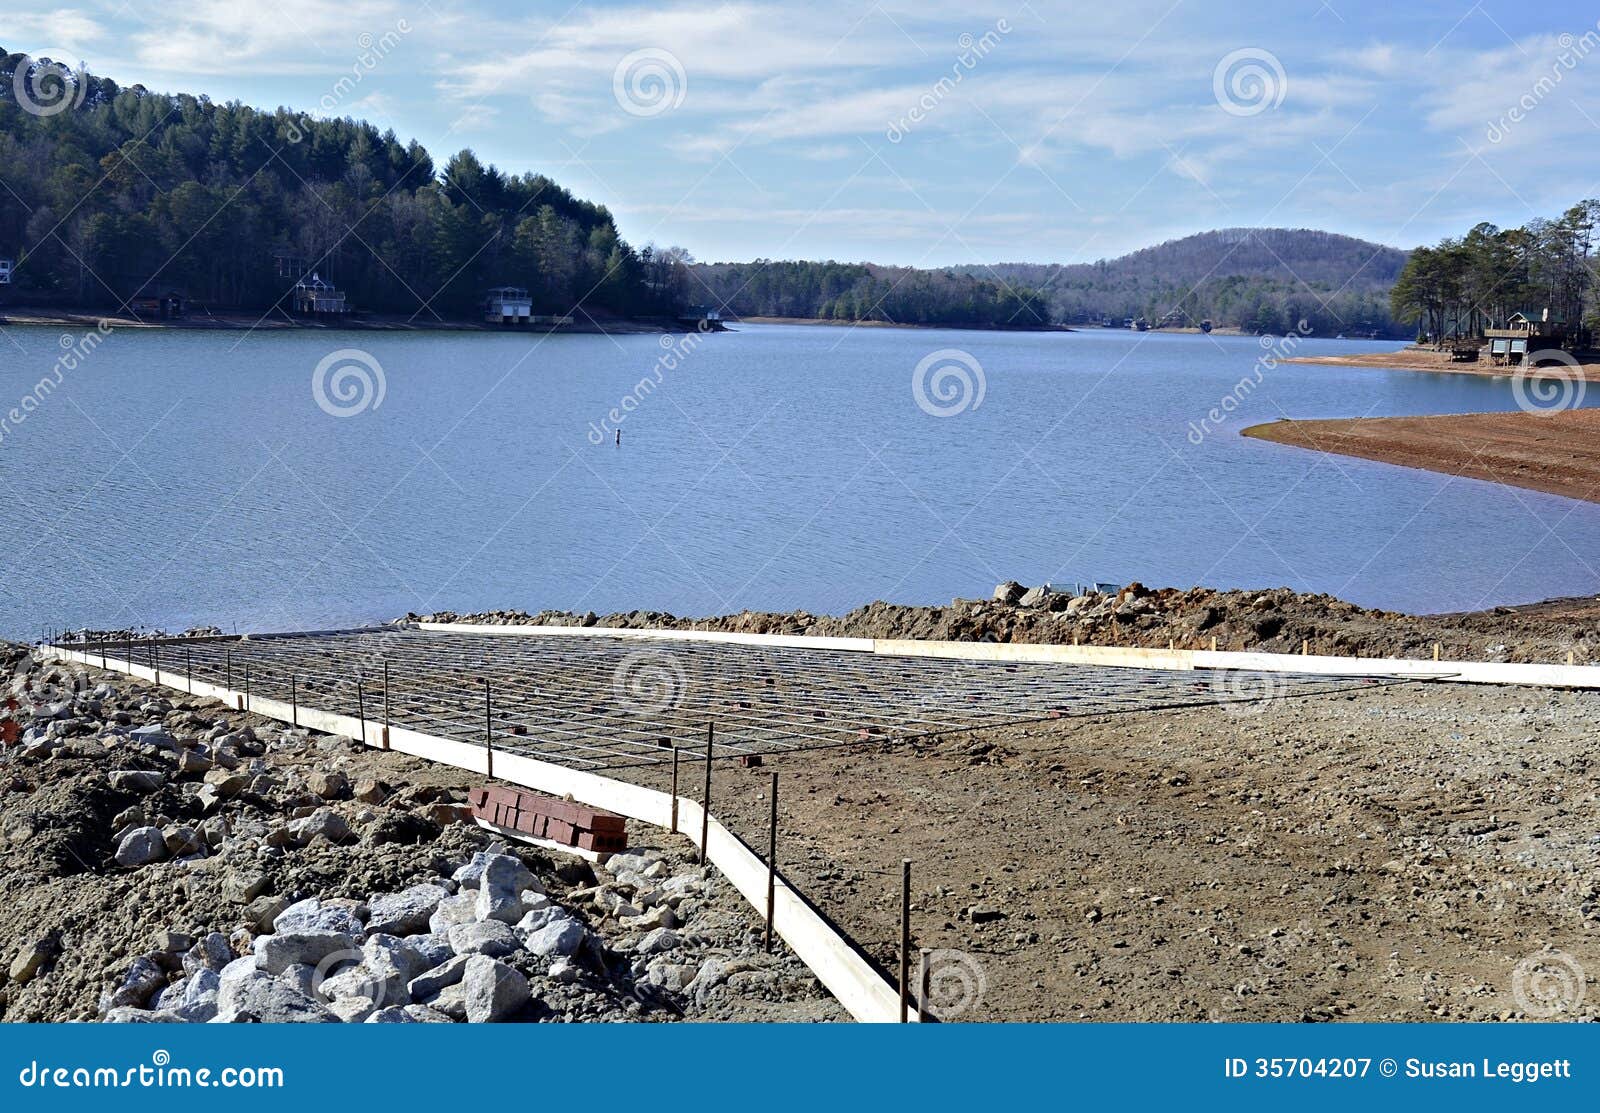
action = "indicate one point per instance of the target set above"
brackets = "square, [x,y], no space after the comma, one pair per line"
[838,966]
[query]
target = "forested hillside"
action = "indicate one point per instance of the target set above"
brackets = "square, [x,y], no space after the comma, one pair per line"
[865,292]
[129,190]
[1257,279]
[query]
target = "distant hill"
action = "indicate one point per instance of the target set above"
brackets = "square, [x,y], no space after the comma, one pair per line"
[1259,279]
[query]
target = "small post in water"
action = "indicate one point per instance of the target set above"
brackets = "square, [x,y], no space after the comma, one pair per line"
[905,940]
[772,864]
[361,709]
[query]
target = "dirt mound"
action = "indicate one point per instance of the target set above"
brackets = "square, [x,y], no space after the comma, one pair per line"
[1274,621]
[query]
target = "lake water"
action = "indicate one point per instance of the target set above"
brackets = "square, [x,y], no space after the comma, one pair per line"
[189,477]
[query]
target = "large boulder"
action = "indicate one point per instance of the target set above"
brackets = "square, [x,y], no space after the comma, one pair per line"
[141,847]
[142,980]
[1009,592]
[260,999]
[277,952]
[469,875]
[324,823]
[406,912]
[563,937]
[430,982]
[500,889]
[494,991]
[461,908]
[312,915]
[491,938]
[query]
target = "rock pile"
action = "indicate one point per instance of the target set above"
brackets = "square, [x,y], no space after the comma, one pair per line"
[247,872]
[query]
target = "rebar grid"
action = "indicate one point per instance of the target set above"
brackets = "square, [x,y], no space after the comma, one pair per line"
[610,703]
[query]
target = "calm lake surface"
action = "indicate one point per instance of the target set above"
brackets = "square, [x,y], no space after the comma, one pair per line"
[192,477]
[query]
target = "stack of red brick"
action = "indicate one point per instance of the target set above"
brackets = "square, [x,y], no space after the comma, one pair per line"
[545,817]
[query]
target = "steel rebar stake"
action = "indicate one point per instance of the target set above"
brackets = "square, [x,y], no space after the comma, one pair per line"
[674,788]
[924,984]
[386,704]
[772,863]
[361,710]
[705,807]
[905,940]
[488,724]
[294,702]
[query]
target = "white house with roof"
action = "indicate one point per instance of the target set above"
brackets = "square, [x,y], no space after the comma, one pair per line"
[507,305]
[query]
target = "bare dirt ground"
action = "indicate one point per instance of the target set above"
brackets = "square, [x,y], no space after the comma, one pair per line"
[1392,854]
[1415,358]
[1407,852]
[1558,453]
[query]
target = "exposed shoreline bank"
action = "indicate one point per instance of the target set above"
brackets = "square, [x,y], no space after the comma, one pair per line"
[241,322]
[894,324]
[1556,453]
[1413,358]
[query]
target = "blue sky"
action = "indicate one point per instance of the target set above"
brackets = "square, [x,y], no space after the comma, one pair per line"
[924,132]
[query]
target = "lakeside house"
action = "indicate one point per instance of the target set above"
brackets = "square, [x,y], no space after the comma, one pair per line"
[507,305]
[701,316]
[315,297]
[1523,330]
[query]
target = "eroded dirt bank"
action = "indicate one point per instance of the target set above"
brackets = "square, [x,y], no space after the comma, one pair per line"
[1557,453]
